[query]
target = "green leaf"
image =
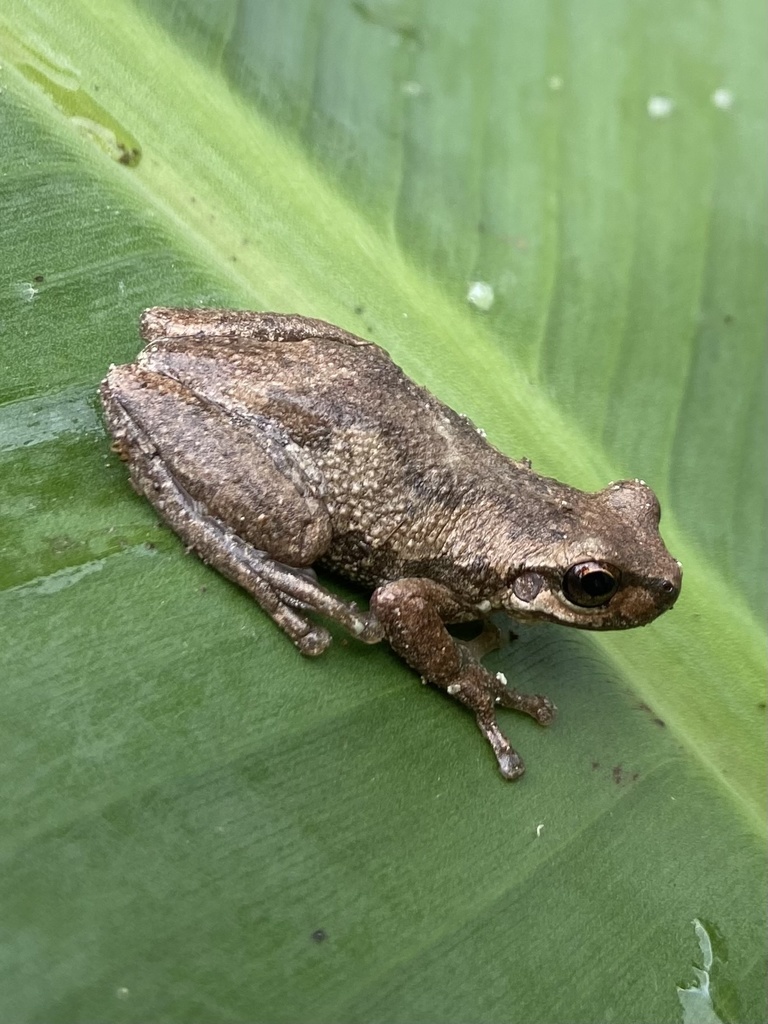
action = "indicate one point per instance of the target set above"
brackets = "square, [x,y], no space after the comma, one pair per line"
[197,823]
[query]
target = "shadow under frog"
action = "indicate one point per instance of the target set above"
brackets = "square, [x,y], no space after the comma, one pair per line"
[272,443]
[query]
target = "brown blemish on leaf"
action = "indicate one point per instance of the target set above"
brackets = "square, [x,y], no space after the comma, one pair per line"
[642,706]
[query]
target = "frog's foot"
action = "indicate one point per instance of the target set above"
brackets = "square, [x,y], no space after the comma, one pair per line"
[298,587]
[285,592]
[534,704]
[483,693]
[413,612]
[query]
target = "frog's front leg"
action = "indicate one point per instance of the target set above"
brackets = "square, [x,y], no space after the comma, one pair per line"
[234,495]
[413,612]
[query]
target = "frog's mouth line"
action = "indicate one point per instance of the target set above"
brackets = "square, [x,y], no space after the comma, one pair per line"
[600,622]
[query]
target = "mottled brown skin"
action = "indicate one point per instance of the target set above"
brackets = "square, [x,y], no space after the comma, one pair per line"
[271,443]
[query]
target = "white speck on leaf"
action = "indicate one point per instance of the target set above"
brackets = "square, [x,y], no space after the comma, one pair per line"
[722,99]
[480,294]
[412,89]
[660,106]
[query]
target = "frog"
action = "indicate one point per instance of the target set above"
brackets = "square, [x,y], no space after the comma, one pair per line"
[276,444]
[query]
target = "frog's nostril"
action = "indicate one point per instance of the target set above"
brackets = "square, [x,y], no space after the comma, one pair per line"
[670,588]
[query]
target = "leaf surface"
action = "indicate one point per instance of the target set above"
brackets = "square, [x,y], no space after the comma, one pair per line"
[199,824]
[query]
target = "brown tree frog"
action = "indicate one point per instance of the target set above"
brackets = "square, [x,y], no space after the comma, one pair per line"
[272,443]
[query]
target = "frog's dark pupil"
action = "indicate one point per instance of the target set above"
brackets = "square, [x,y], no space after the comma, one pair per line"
[597,584]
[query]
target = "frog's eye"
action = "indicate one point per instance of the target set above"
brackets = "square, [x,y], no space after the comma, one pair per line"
[590,584]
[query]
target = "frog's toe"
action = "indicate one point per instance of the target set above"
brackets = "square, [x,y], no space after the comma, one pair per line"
[546,711]
[534,704]
[368,629]
[511,765]
[314,642]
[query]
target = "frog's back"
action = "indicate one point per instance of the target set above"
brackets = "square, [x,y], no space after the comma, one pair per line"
[397,463]
[309,375]
[335,399]
[393,458]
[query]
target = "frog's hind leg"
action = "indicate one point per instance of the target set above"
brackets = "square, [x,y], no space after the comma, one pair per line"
[285,592]
[181,457]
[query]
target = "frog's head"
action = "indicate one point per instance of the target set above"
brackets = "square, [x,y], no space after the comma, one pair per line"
[599,563]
